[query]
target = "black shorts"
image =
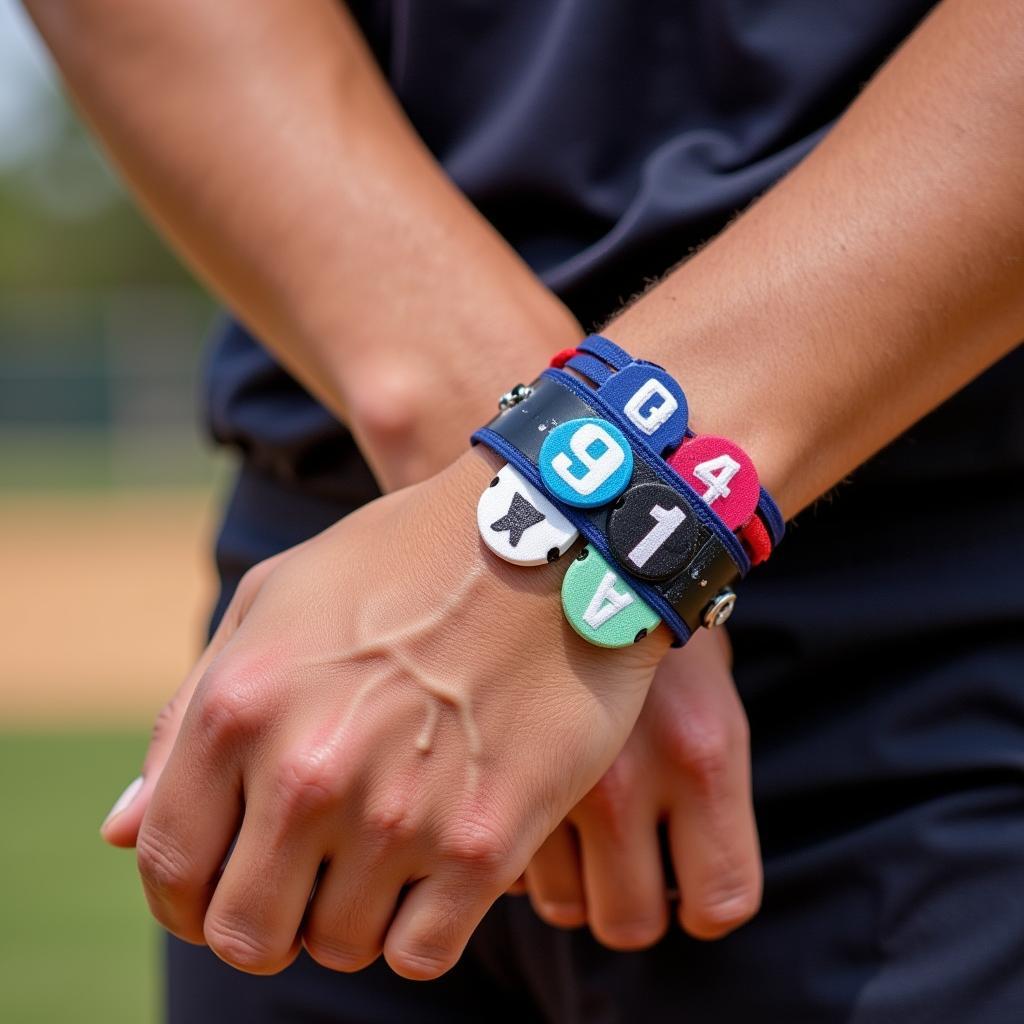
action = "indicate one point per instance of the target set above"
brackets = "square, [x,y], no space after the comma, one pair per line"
[886,702]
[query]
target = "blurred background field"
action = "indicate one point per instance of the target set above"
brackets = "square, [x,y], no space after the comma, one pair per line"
[107,504]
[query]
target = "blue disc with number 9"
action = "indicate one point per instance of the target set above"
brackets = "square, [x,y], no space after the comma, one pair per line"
[652,401]
[586,462]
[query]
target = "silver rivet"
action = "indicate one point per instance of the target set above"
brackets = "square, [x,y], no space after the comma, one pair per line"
[718,612]
[514,397]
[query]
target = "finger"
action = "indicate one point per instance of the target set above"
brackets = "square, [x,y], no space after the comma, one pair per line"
[121,826]
[478,861]
[436,918]
[254,915]
[623,879]
[554,880]
[713,834]
[358,894]
[196,805]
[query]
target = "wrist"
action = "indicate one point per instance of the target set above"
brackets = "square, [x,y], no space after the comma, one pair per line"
[527,599]
[610,458]
[730,399]
[413,413]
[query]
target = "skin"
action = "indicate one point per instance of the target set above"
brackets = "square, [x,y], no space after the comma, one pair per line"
[877,277]
[321,298]
[686,764]
[283,120]
[334,698]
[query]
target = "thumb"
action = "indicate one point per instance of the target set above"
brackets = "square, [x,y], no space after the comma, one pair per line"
[121,825]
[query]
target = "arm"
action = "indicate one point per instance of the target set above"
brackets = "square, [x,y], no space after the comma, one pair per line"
[845,270]
[878,278]
[263,141]
[337,212]
[874,281]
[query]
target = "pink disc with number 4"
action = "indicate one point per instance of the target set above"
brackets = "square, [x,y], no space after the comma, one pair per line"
[721,472]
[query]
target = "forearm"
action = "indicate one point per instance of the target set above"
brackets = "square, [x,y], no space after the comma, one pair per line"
[263,141]
[877,279]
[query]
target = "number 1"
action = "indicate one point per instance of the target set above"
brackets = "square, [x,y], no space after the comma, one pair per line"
[667,520]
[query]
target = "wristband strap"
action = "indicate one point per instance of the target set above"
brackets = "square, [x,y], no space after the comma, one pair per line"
[600,346]
[517,435]
[591,368]
[612,460]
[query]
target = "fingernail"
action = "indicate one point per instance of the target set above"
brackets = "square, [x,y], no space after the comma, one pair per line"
[124,800]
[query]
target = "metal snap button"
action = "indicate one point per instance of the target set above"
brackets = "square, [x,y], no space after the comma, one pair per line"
[514,397]
[717,613]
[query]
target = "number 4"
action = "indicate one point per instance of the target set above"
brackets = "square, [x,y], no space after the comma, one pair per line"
[716,473]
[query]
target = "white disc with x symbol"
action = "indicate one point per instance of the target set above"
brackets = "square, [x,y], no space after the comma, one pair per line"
[518,523]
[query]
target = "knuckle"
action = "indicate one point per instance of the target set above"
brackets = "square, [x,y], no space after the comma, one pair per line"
[165,869]
[238,946]
[304,784]
[308,783]
[229,709]
[702,749]
[478,845]
[336,955]
[391,820]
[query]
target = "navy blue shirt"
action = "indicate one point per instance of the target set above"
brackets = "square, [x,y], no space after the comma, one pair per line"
[605,139]
[879,653]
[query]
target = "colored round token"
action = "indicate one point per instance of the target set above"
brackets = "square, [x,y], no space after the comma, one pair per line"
[518,523]
[652,401]
[721,472]
[652,531]
[601,606]
[586,462]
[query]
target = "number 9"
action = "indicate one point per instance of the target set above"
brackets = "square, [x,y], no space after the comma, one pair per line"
[586,462]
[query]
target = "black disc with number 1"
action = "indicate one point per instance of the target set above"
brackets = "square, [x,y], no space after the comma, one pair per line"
[652,531]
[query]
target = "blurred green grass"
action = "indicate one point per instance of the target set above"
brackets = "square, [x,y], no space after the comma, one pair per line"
[65,461]
[77,943]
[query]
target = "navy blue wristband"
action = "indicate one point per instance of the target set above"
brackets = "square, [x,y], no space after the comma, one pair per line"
[517,435]
[613,460]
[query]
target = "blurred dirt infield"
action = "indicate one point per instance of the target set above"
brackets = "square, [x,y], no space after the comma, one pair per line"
[102,602]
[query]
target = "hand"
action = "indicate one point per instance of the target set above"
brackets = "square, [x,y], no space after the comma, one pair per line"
[686,763]
[389,715]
